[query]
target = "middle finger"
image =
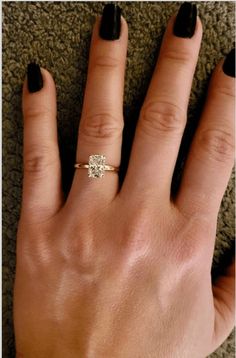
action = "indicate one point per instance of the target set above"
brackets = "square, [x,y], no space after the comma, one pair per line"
[163,115]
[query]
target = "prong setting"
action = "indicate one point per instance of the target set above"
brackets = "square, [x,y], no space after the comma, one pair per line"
[96,166]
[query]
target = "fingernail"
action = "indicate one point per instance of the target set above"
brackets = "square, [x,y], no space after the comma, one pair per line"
[185,21]
[111,22]
[34,76]
[229,64]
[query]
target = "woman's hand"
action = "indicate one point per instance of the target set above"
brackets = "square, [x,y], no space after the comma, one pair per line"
[126,273]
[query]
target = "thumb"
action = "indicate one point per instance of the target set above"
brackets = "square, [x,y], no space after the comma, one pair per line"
[224,302]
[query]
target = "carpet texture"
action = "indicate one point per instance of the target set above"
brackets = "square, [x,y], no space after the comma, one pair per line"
[57,36]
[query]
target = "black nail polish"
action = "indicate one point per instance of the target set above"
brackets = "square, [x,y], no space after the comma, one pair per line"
[111,22]
[229,64]
[34,76]
[185,21]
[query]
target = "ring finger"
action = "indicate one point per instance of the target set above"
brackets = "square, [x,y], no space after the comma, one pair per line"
[101,125]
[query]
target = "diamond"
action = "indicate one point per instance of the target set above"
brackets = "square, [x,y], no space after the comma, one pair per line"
[96,166]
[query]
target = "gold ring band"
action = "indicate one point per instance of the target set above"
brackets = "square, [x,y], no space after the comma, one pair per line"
[96,166]
[106,167]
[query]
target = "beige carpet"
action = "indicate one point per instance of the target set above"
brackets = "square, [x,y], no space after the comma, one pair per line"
[57,36]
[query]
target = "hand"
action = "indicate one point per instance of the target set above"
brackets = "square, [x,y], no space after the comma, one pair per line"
[125,272]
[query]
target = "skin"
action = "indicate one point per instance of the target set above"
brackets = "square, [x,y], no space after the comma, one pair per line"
[121,273]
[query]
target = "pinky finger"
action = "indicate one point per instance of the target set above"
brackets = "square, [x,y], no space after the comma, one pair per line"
[42,195]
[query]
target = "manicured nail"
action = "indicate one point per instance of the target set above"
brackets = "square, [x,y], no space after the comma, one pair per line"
[229,64]
[111,22]
[185,21]
[34,76]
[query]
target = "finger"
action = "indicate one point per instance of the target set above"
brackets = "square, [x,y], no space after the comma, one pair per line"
[224,302]
[211,155]
[163,115]
[101,125]
[42,194]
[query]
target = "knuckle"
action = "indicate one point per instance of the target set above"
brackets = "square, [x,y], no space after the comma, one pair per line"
[228,93]
[185,253]
[179,56]
[162,117]
[190,246]
[100,126]
[138,234]
[36,253]
[34,113]
[218,143]
[37,160]
[105,62]
[221,92]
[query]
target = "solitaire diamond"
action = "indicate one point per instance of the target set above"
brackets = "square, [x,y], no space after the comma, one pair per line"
[96,166]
